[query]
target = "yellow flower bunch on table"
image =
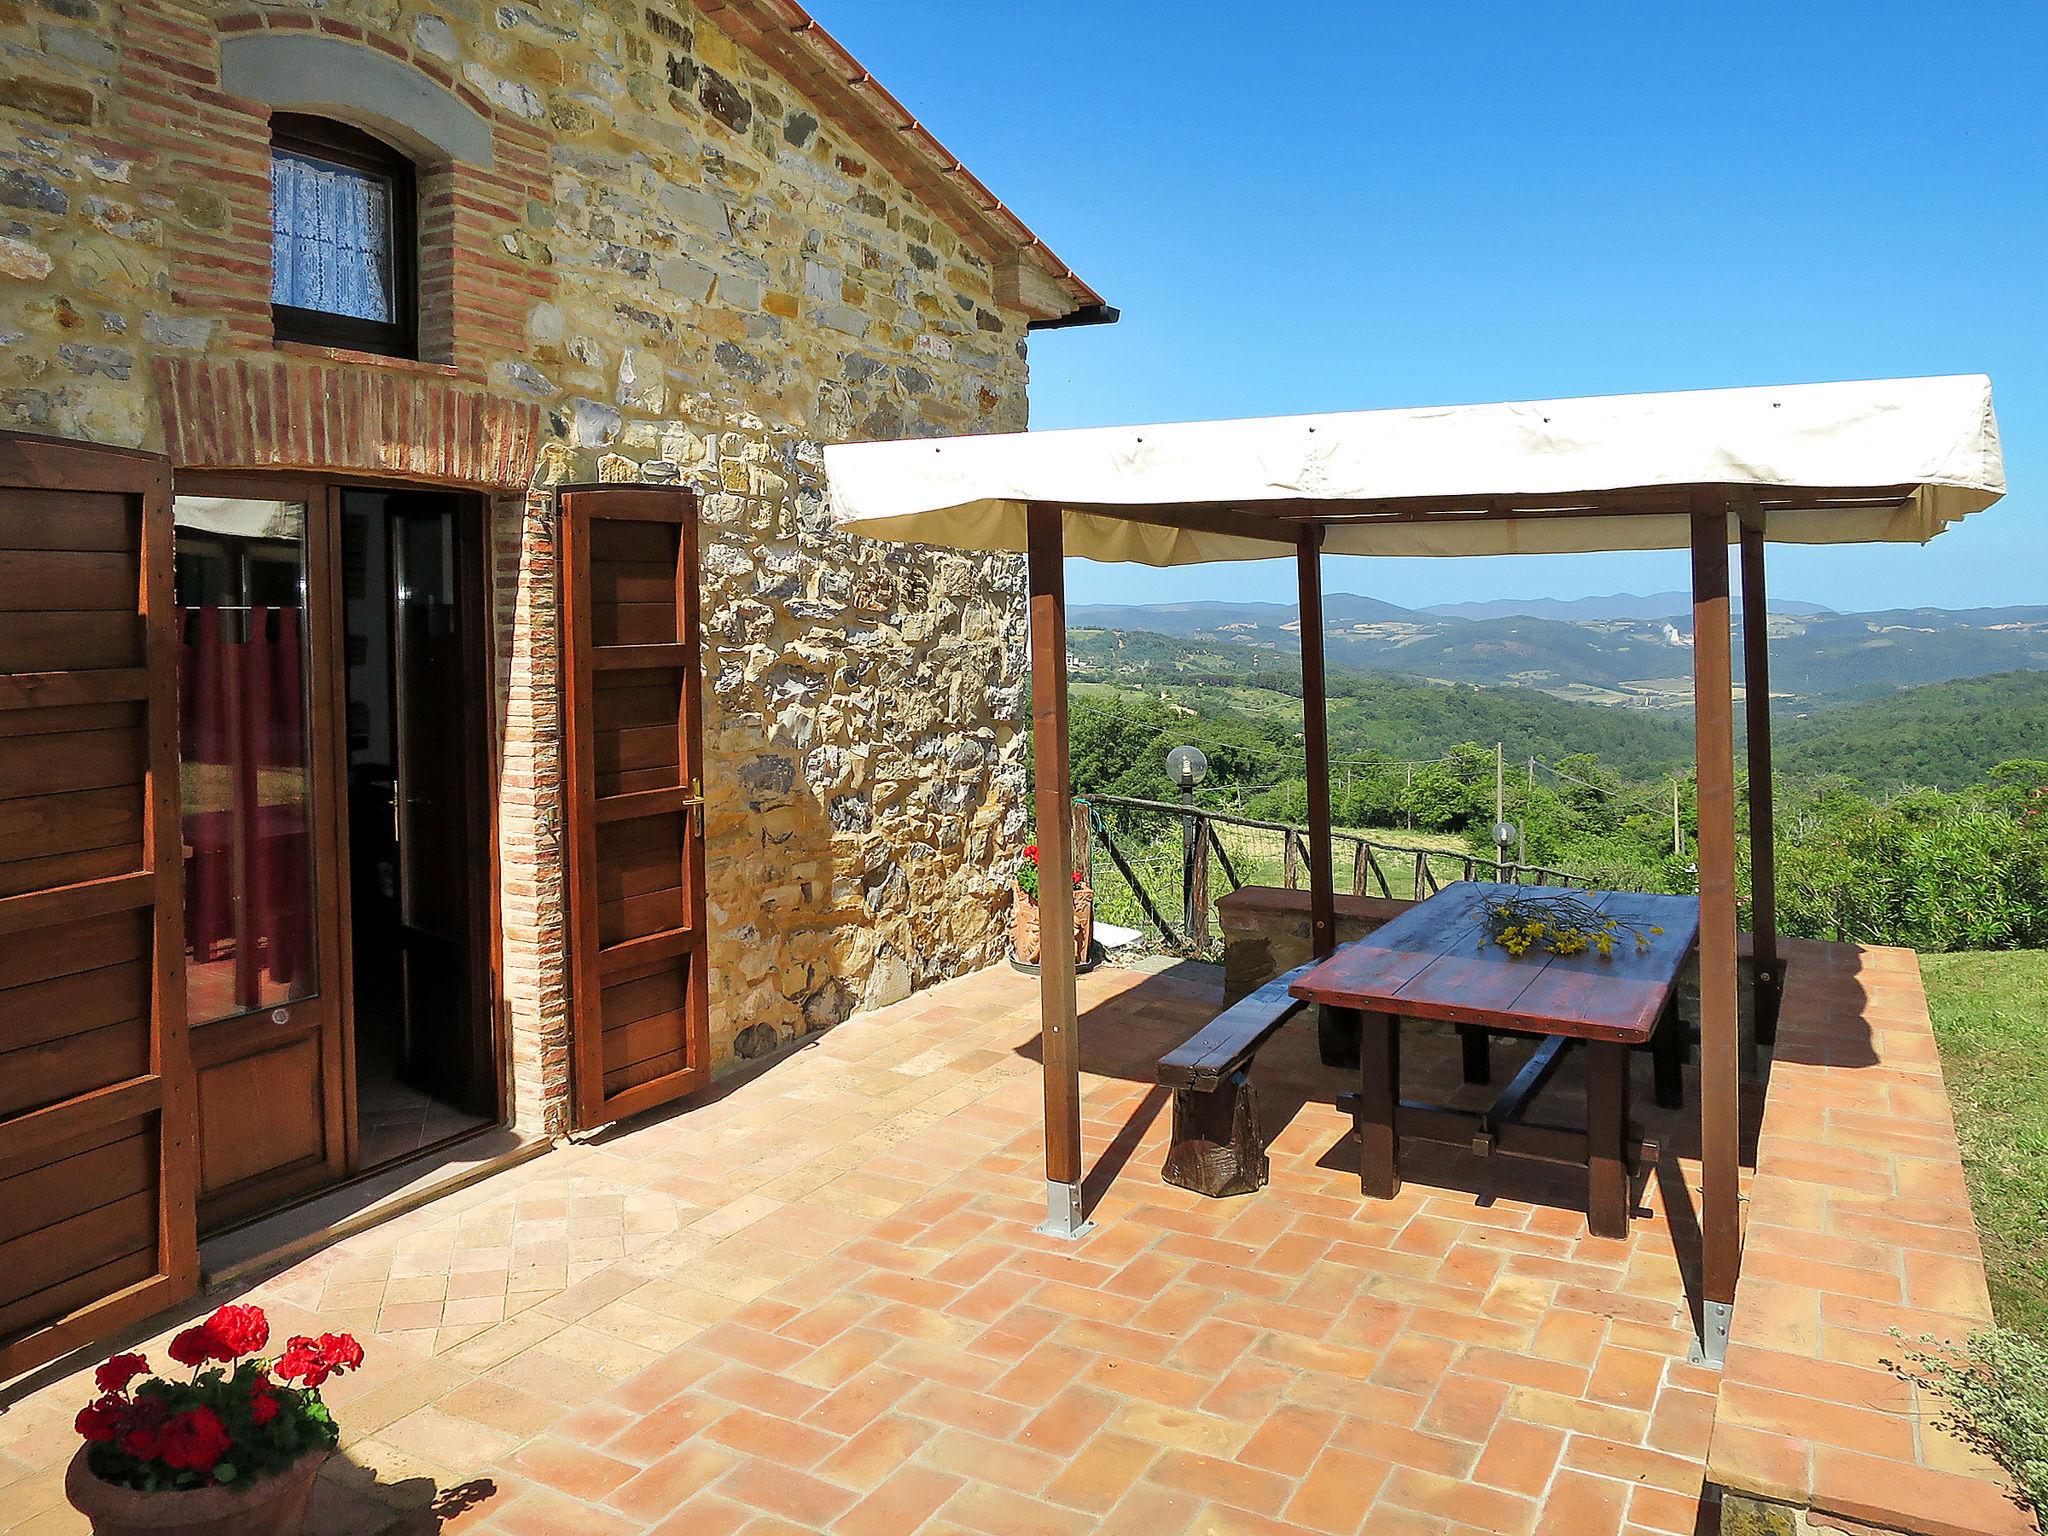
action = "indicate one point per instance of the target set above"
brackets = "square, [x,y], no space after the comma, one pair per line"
[1563,925]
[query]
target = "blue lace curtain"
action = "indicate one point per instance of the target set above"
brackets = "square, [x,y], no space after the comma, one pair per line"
[330,238]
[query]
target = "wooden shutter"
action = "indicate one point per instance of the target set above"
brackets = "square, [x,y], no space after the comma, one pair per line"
[97,1161]
[639,1020]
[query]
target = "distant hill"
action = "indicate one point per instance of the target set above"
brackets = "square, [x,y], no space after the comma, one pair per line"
[1403,717]
[1622,605]
[1817,655]
[1944,734]
[1223,618]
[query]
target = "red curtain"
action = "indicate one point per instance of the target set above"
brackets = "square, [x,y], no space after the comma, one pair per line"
[243,728]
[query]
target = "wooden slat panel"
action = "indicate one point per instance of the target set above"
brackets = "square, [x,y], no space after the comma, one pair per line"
[76,759]
[643,746]
[44,642]
[618,1079]
[79,1292]
[26,1139]
[622,701]
[633,623]
[60,904]
[67,1005]
[621,658]
[44,690]
[52,719]
[635,781]
[643,957]
[99,1169]
[36,826]
[638,871]
[56,1070]
[634,917]
[632,581]
[65,869]
[79,1243]
[636,804]
[32,580]
[96,1211]
[67,948]
[629,596]
[639,834]
[645,997]
[659,1034]
[615,542]
[48,519]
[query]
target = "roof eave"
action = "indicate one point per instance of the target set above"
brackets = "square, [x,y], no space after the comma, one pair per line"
[1029,276]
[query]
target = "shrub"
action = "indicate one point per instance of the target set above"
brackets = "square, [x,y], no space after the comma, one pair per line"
[1996,1389]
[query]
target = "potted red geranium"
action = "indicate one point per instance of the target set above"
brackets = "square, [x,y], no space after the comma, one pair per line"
[1025,944]
[231,1452]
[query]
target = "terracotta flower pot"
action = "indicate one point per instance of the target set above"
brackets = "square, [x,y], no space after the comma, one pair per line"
[274,1506]
[1024,935]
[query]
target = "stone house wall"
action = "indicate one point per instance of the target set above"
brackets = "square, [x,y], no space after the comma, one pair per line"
[676,268]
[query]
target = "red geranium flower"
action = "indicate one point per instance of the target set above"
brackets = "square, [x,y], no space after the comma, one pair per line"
[262,1405]
[117,1372]
[101,1418]
[238,1331]
[142,1435]
[195,1440]
[312,1361]
[195,1346]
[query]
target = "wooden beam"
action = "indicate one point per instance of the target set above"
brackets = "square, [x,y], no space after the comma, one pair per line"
[1763,858]
[1720,1063]
[1057,1005]
[1279,517]
[1315,721]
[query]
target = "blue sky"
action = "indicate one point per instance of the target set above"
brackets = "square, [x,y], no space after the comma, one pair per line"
[1318,206]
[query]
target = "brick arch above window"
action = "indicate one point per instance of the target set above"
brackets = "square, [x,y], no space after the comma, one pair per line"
[313,413]
[398,99]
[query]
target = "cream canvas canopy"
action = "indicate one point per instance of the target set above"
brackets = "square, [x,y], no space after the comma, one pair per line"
[1892,460]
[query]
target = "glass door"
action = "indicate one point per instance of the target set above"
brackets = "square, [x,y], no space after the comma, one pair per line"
[262,948]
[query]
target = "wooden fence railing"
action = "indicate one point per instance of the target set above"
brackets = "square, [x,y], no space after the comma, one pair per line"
[1414,870]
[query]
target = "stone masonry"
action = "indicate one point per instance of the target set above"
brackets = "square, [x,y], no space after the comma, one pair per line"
[685,260]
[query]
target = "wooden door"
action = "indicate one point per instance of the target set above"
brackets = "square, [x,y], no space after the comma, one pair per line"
[437,786]
[97,1151]
[632,749]
[258,609]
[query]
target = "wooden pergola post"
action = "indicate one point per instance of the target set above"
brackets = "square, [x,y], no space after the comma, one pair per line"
[1315,722]
[1720,1052]
[1059,1038]
[1763,860]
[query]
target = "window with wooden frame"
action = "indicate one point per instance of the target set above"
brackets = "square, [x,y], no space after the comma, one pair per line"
[344,256]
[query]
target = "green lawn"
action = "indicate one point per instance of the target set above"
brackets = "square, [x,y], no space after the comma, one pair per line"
[1991,1018]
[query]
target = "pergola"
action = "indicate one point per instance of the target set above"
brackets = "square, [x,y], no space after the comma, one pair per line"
[1893,460]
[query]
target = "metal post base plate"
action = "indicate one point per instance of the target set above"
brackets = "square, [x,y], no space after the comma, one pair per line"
[1064,1216]
[1711,1347]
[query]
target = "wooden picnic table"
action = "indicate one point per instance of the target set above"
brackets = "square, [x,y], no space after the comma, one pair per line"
[1429,963]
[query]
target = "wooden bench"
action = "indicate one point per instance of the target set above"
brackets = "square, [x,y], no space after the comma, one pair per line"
[1218,1147]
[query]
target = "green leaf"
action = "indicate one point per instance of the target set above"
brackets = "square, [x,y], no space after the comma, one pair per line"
[224,1472]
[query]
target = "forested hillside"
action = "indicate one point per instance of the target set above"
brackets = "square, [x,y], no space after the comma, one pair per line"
[1944,734]
[1257,695]
[1959,862]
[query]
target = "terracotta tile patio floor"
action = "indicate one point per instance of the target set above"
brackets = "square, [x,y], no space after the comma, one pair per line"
[816,1303]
